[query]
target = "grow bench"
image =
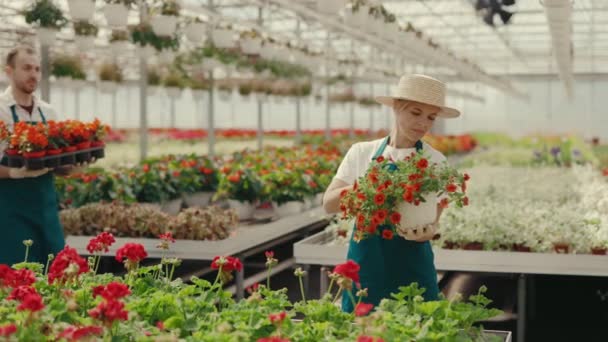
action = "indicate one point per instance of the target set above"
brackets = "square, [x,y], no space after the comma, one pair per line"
[314,250]
[248,240]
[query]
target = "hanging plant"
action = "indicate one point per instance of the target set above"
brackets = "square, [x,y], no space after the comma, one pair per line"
[153,78]
[245,89]
[119,36]
[165,22]
[43,13]
[170,7]
[68,66]
[143,35]
[173,80]
[84,28]
[110,72]
[127,3]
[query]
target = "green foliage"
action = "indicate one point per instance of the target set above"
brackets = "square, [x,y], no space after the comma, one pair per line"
[143,35]
[84,28]
[67,66]
[44,13]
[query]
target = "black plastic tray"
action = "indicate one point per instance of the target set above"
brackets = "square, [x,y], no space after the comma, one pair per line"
[66,158]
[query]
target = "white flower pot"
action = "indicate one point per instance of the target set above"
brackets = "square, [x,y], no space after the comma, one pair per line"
[173,92]
[107,87]
[119,47]
[413,216]
[278,99]
[81,9]
[84,43]
[164,25]
[251,46]
[195,32]
[165,56]
[222,38]
[288,209]
[153,90]
[224,95]
[147,51]
[330,6]
[46,36]
[244,210]
[116,15]
[198,199]
[318,201]
[172,207]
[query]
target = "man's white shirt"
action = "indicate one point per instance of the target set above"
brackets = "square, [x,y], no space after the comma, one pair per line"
[7,101]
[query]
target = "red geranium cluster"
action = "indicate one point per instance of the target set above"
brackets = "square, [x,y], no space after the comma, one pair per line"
[347,273]
[67,266]
[15,278]
[73,333]
[165,240]
[226,265]
[21,282]
[132,254]
[111,309]
[374,198]
[101,243]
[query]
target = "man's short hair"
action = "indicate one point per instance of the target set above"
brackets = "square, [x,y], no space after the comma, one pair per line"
[12,55]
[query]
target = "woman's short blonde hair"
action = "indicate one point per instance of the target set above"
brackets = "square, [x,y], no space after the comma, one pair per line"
[400,104]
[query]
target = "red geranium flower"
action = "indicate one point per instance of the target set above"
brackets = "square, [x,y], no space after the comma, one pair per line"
[379,199]
[113,290]
[230,264]
[19,293]
[67,265]
[168,237]
[463,186]
[22,277]
[349,269]
[466,177]
[8,330]
[73,333]
[451,187]
[395,218]
[444,203]
[380,159]
[269,254]
[381,215]
[277,318]
[363,309]
[272,339]
[408,197]
[369,339]
[101,242]
[422,164]
[387,234]
[109,311]
[6,275]
[465,201]
[32,302]
[133,252]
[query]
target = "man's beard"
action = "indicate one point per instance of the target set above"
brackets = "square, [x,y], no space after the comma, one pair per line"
[25,89]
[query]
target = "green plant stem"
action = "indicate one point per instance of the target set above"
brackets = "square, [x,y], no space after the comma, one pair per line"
[172,270]
[97,262]
[352,298]
[217,278]
[46,268]
[331,284]
[27,253]
[268,278]
[302,289]
[337,296]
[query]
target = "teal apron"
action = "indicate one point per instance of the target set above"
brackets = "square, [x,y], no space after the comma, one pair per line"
[29,211]
[387,265]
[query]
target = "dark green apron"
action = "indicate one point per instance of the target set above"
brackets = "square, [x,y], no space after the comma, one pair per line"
[29,211]
[387,265]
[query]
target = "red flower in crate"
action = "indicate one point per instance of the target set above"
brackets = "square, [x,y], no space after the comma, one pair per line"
[22,277]
[111,291]
[31,302]
[109,311]
[19,293]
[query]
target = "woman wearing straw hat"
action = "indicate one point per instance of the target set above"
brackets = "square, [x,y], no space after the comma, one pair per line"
[388,264]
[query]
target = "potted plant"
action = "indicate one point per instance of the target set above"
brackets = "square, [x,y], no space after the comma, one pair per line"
[251,42]
[206,176]
[165,23]
[85,35]
[109,76]
[245,89]
[67,67]
[222,38]
[174,83]
[242,189]
[119,41]
[32,142]
[286,189]
[406,199]
[195,31]
[154,80]
[117,12]
[81,10]
[47,18]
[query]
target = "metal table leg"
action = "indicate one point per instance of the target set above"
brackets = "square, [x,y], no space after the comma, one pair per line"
[240,283]
[521,308]
[323,283]
[306,279]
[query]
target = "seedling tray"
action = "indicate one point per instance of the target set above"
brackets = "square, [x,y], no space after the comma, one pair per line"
[54,161]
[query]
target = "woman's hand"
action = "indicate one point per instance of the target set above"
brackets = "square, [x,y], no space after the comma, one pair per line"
[422,234]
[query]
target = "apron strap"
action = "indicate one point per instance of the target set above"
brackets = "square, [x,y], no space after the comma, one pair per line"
[14,113]
[16,118]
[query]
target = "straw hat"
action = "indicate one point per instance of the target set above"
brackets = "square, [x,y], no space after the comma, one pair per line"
[423,89]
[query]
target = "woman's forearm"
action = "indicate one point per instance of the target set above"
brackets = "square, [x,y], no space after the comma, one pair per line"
[331,199]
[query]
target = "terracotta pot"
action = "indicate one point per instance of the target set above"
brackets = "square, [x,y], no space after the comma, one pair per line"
[32,155]
[561,248]
[54,152]
[473,246]
[70,149]
[599,250]
[521,248]
[12,152]
[97,144]
[450,245]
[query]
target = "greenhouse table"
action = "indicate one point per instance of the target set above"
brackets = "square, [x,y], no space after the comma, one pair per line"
[246,241]
[315,251]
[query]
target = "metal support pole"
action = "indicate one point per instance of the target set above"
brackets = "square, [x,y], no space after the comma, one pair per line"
[240,282]
[323,283]
[327,114]
[211,106]
[260,132]
[172,103]
[521,308]
[114,110]
[143,94]
[371,112]
[77,104]
[298,121]
[45,84]
[389,111]
[351,119]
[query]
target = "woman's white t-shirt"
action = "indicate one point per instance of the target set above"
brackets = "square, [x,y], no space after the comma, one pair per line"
[359,157]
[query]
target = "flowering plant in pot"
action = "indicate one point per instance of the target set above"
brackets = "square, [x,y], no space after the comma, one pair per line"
[143,35]
[241,187]
[85,34]
[117,12]
[31,139]
[401,194]
[287,190]
[65,66]
[47,17]
[164,22]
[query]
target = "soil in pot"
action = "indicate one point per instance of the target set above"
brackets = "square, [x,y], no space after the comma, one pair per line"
[450,245]
[599,250]
[521,248]
[473,246]
[561,248]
